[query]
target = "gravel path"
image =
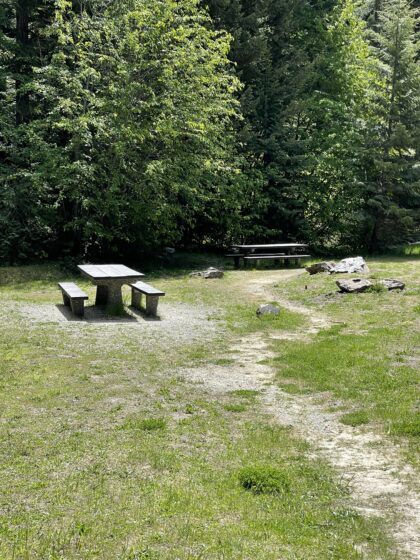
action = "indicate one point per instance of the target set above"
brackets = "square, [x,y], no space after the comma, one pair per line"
[377,478]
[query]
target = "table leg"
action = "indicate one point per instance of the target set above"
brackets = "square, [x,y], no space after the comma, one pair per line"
[115,295]
[101,295]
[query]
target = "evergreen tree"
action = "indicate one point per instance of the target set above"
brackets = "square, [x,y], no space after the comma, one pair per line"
[125,138]
[392,169]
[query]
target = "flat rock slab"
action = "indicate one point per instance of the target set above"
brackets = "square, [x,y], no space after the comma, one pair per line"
[211,272]
[327,266]
[351,265]
[268,309]
[392,284]
[354,285]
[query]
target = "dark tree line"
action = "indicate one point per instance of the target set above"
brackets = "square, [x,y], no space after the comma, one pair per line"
[132,124]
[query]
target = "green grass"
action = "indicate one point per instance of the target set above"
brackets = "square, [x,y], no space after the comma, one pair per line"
[235,407]
[369,358]
[356,418]
[107,452]
[264,479]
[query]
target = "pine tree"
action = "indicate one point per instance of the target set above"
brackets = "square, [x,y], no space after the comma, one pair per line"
[393,172]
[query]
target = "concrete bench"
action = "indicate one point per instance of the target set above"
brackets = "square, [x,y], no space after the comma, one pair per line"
[152,296]
[74,297]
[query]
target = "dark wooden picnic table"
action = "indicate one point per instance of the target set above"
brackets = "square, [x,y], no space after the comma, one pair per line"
[109,279]
[273,247]
[275,251]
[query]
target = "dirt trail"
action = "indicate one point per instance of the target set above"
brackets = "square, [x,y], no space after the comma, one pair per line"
[373,468]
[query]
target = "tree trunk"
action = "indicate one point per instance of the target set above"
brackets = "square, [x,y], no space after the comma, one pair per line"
[22,66]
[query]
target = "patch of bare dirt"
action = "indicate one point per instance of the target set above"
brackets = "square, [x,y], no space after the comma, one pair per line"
[373,468]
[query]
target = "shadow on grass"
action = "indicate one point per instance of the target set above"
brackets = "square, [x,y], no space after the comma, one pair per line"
[97,314]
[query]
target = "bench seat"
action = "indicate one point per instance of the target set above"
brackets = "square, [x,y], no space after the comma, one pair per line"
[278,257]
[152,296]
[73,297]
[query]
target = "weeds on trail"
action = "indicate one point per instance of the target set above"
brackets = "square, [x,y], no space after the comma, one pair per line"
[245,393]
[264,480]
[357,418]
[146,424]
[235,407]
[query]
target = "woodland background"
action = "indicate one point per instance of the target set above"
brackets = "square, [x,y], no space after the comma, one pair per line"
[127,125]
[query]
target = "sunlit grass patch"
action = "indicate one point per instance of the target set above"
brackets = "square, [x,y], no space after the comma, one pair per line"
[235,407]
[245,393]
[264,479]
[145,424]
[356,418]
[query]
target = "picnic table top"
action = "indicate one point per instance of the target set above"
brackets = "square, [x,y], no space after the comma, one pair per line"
[271,246]
[109,272]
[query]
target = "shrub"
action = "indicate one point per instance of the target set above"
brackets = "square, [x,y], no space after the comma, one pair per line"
[264,480]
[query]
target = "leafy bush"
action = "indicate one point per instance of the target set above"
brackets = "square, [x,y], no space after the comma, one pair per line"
[264,480]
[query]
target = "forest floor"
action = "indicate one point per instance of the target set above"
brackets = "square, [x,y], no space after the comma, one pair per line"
[125,437]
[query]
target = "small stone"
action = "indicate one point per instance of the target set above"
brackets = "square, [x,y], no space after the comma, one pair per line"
[320,267]
[268,309]
[354,285]
[211,272]
[392,284]
[351,265]
[169,250]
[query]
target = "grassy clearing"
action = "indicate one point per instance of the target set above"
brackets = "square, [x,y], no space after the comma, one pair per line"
[370,355]
[106,452]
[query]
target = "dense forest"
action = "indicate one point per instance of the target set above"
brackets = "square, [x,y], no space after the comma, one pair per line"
[127,125]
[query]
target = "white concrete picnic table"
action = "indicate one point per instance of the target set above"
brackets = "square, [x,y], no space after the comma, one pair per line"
[109,279]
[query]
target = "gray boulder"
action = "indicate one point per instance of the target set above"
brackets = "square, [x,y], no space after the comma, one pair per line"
[351,265]
[320,267]
[211,272]
[392,284]
[354,285]
[268,309]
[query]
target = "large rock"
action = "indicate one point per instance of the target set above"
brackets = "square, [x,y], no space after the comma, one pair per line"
[268,309]
[320,267]
[354,285]
[211,272]
[356,264]
[392,284]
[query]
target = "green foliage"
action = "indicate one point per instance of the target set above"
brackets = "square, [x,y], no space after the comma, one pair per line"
[264,479]
[331,118]
[125,126]
[129,143]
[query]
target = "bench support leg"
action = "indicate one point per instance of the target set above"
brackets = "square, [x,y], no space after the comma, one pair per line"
[236,262]
[151,304]
[78,307]
[66,299]
[135,298]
